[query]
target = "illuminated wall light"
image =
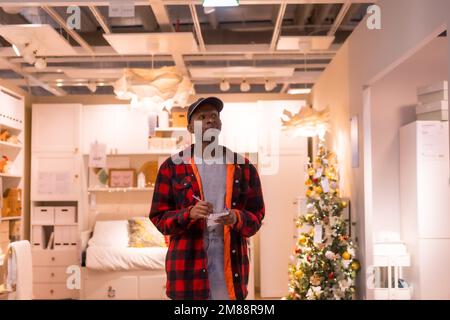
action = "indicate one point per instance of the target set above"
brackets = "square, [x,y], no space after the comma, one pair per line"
[40,63]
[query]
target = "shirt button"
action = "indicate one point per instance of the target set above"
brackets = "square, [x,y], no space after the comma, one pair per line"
[236,181]
[234,203]
[204,270]
[236,275]
[233,251]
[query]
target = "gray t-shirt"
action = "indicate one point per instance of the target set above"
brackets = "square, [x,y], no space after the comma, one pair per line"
[213,176]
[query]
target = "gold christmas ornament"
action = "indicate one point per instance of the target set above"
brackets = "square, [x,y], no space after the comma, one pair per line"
[318,190]
[302,240]
[346,256]
[344,204]
[311,171]
[355,265]
[308,182]
[299,273]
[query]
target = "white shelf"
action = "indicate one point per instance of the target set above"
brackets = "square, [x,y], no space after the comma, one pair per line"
[5,126]
[5,175]
[10,145]
[10,218]
[110,190]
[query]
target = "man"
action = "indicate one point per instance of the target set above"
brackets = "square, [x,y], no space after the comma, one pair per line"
[207,258]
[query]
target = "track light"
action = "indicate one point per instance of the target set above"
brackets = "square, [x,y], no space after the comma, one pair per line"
[92,86]
[208,10]
[224,85]
[245,86]
[269,85]
[40,63]
[16,50]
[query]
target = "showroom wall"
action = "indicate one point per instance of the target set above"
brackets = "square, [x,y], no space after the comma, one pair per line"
[406,27]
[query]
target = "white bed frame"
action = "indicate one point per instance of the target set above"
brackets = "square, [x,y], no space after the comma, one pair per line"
[122,285]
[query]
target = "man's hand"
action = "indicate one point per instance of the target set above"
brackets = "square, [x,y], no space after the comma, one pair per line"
[201,210]
[229,219]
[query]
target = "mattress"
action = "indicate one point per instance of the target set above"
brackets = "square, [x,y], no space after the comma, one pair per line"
[114,258]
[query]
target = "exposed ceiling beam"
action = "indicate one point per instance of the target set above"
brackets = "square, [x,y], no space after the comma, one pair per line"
[179,63]
[17,69]
[160,12]
[147,17]
[63,3]
[302,13]
[277,28]
[284,87]
[340,17]
[198,29]
[351,12]
[100,19]
[321,15]
[55,16]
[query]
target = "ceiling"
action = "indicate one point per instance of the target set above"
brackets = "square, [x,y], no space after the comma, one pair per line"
[287,42]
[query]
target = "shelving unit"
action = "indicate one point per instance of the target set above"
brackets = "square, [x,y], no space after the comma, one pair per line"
[12,112]
[56,205]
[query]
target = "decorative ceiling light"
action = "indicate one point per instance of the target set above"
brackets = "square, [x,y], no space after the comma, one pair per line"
[245,86]
[220,3]
[224,85]
[154,88]
[209,10]
[307,122]
[269,85]
[29,52]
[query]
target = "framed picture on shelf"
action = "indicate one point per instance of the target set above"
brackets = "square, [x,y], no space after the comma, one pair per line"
[122,178]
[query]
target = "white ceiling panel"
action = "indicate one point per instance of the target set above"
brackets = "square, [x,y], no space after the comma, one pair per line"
[87,73]
[156,43]
[46,39]
[240,72]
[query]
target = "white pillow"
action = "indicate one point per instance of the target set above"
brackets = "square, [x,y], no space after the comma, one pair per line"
[110,234]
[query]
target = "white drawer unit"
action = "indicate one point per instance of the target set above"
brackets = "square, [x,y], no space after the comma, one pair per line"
[55,257]
[50,274]
[152,287]
[44,215]
[65,215]
[53,291]
[123,288]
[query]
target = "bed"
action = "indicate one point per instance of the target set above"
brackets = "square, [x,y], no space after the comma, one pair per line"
[112,270]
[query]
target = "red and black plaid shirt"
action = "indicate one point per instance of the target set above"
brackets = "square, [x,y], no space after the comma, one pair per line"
[186,260]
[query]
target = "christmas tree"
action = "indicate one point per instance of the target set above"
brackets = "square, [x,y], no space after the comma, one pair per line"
[323,265]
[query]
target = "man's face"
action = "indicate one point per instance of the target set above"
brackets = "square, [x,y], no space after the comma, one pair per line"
[209,117]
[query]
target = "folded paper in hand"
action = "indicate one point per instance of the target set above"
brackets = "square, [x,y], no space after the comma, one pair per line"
[211,221]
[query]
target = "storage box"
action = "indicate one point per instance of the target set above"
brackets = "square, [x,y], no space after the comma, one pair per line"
[37,237]
[12,203]
[65,215]
[437,111]
[433,97]
[179,117]
[15,227]
[44,215]
[435,87]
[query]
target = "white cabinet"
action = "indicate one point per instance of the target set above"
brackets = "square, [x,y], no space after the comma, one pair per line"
[55,177]
[424,199]
[123,130]
[56,128]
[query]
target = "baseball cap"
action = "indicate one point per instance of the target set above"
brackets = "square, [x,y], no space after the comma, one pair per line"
[216,102]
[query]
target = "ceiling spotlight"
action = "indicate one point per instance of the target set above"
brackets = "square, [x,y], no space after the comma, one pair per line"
[59,84]
[41,63]
[92,86]
[299,91]
[224,85]
[269,85]
[245,86]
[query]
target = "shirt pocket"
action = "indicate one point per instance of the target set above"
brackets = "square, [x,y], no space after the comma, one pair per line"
[182,190]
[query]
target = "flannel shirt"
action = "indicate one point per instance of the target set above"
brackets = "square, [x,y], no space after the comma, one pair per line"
[186,260]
